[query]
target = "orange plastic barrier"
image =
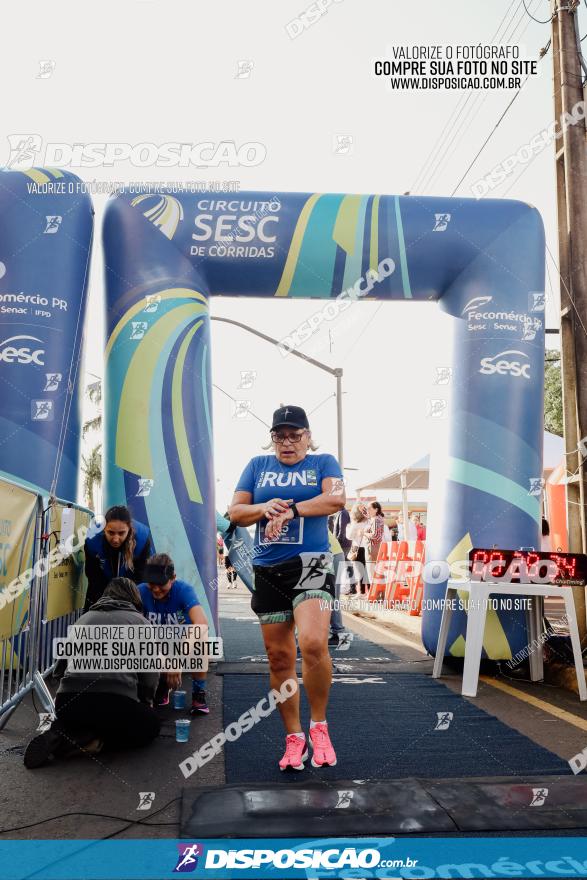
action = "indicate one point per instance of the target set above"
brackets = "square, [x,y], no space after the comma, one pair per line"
[396,577]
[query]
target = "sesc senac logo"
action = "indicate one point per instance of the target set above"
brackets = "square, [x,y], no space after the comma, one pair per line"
[498,364]
[11,352]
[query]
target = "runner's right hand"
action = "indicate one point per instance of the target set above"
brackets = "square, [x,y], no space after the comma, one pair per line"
[275,507]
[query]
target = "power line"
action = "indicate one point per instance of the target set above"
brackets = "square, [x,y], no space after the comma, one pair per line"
[235,401]
[489,136]
[464,99]
[478,100]
[538,20]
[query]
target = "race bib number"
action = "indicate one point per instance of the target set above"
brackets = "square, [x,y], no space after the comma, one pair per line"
[292,532]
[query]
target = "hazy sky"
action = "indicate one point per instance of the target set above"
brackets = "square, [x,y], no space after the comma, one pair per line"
[166,70]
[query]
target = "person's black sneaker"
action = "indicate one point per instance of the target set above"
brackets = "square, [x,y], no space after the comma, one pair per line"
[199,704]
[333,640]
[42,748]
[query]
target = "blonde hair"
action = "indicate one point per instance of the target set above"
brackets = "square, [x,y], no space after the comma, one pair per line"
[358,512]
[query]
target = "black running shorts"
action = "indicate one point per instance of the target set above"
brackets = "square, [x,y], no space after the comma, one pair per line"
[279,589]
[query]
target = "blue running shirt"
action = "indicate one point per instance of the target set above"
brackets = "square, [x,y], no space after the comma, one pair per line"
[265,477]
[173,608]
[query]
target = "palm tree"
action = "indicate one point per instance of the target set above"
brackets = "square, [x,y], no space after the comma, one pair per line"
[92,471]
[94,393]
[92,464]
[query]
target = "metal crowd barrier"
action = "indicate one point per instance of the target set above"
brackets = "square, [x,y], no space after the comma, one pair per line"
[26,657]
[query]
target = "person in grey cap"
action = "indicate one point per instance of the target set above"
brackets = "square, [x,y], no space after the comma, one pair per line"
[289,496]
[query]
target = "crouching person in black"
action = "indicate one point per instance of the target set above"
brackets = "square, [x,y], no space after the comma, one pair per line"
[109,710]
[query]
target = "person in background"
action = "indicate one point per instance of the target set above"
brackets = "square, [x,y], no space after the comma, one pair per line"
[545,541]
[120,550]
[230,572]
[374,531]
[340,521]
[106,710]
[412,534]
[355,533]
[336,624]
[420,529]
[393,529]
[166,599]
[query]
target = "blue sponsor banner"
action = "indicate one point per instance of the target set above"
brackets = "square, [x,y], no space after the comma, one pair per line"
[259,858]
[46,222]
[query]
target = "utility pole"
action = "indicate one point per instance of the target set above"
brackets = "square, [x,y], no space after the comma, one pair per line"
[571,177]
[334,371]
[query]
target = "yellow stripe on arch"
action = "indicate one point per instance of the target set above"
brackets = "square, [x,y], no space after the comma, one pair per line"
[374,243]
[133,450]
[495,640]
[345,227]
[36,175]
[172,293]
[295,247]
[181,436]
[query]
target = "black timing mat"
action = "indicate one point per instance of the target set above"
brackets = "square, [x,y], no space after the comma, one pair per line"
[385,726]
[363,808]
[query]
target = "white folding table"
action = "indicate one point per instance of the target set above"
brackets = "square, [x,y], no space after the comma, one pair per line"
[479,593]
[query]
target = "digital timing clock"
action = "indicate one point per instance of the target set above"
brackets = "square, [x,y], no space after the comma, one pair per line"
[528,567]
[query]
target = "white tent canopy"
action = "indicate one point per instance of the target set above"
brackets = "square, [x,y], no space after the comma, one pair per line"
[416,475]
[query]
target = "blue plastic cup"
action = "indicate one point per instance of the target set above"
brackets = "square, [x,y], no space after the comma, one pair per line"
[179,699]
[182,730]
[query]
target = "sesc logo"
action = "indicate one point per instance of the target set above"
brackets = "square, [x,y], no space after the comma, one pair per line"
[497,364]
[21,354]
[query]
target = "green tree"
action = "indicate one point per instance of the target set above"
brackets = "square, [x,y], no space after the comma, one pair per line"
[553,394]
[92,464]
[92,471]
[94,393]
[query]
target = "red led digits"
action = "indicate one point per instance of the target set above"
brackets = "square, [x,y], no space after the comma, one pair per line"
[530,566]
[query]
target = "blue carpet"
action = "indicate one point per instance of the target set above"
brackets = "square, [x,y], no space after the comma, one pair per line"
[383,727]
[242,639]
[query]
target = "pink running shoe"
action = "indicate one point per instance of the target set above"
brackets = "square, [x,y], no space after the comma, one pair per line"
[296,753]
[324,754]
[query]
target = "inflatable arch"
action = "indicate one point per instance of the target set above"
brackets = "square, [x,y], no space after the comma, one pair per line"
[166,254]
[46,222]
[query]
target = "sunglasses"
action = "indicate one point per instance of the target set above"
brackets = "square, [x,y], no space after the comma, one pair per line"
[292,437]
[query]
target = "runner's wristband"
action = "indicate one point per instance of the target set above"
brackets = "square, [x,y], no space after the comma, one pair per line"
[294,510]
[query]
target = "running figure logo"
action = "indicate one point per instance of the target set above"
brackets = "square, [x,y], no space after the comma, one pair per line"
[444,719]
[53,380]
[539,796]
[42,410]
[187,861]
[146,799]
[344,799]
[53,223]
[314,568]
[441,222]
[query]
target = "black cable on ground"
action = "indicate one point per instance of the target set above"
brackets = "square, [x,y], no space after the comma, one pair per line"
[98,816]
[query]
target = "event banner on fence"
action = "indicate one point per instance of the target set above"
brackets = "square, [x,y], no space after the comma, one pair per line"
[66,582]
[17,533]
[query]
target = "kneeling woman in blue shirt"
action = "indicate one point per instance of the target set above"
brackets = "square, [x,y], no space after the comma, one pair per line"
[289,495]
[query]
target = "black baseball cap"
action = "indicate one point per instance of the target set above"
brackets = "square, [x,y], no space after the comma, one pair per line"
[294,416]
[158,574]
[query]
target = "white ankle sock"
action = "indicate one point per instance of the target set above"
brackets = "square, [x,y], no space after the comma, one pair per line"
[301,734]
[314,723]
